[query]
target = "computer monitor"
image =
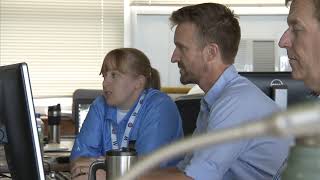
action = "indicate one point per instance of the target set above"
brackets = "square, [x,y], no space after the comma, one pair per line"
[297,91]
[17,117]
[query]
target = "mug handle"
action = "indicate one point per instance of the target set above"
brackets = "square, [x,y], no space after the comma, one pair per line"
[99,164]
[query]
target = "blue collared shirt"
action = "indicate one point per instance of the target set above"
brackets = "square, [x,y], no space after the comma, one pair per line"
[233,100]
[157,124]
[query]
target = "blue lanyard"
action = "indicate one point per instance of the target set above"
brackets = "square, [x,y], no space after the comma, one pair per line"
[129,126]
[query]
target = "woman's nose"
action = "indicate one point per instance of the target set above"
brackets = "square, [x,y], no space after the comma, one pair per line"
[106,81]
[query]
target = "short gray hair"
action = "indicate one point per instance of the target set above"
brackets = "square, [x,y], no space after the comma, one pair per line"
[316,4]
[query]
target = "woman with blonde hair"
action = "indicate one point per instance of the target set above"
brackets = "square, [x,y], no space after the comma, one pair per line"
[131,109]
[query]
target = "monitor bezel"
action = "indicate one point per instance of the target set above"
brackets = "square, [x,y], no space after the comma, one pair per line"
[17,145]
[37,146]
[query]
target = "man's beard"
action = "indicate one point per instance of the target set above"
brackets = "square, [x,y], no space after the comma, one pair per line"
[186,78]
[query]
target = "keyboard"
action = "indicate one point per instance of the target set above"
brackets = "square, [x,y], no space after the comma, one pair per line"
[58,176]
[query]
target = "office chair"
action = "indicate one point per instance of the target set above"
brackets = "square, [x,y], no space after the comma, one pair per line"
[189,107]
[82,98]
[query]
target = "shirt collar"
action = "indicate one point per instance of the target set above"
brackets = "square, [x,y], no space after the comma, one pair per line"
[111,111]
[216,90]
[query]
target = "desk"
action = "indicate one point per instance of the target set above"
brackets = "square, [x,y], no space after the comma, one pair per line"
[67,126]
[49,165]
[49,159]
[52,169]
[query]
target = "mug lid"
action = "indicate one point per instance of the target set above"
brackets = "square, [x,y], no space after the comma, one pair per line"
[123,152]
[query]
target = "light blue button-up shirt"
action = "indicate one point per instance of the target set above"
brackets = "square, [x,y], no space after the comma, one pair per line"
[157,124]
[233,100]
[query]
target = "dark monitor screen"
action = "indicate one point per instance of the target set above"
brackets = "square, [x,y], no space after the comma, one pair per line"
[17,117]
[297,91]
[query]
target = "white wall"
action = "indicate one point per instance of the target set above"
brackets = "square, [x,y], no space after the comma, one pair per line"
[151,33]
[154,36]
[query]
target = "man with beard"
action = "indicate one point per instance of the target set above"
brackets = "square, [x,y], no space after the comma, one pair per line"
[207,38]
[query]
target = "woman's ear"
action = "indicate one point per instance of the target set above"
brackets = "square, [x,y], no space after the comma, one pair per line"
[141,81]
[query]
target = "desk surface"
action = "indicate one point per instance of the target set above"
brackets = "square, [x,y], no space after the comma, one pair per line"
[49,158]
[65,145]
[49,162]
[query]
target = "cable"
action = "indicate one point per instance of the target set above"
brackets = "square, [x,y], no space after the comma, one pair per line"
[297,121]
[63,176]
[5,176]
[49,167]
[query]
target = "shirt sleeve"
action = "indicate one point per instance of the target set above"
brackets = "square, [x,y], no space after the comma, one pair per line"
[161,125]
[88,142]
[213,162]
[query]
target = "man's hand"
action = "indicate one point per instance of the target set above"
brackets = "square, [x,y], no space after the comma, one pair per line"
[80,169]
